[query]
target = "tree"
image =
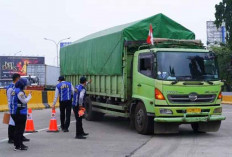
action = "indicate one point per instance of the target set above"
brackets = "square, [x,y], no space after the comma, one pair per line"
[224,54]
[224,14]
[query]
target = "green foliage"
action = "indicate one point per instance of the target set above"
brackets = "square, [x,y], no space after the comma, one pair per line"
[224,62]
[224,14]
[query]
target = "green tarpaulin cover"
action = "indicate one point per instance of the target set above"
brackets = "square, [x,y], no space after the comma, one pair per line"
[101,53]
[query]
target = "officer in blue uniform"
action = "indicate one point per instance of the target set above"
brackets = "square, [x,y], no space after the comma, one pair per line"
[18,110]
[9,89]
[65,91]
[78,101]
[11,127]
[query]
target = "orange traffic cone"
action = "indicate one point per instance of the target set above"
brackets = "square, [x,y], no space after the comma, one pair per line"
[30,123]
[53,123]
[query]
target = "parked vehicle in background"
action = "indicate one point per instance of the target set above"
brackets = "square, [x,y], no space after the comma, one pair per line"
[5,83]
[46,75]
[31,80]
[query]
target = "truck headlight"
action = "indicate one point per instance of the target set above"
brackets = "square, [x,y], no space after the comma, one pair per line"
[217,110]
[165,111]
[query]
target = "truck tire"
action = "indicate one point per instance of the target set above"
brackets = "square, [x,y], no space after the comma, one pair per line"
[90,115]
[206,126]
[143,123]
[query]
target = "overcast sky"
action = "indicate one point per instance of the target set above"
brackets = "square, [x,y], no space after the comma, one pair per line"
[24,23]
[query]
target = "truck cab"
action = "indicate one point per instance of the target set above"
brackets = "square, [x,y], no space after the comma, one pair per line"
[174,86]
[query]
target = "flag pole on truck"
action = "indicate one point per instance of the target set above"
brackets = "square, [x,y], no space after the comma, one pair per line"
[150,39]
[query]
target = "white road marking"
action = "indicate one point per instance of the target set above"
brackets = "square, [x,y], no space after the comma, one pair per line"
[40,130]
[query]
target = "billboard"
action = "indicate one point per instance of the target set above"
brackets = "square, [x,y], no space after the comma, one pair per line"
[16,64]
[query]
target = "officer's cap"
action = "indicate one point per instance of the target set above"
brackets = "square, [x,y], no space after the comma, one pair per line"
[83,79]
[21,83]
[61,78]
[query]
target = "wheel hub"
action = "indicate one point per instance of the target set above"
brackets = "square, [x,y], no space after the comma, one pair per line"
[140,117]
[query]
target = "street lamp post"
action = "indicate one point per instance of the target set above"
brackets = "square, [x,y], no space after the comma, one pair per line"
[15,55]
[57,47]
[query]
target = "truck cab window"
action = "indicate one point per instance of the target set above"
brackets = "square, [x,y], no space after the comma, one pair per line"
[145,66]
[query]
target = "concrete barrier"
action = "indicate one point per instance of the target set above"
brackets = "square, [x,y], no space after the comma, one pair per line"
[51,96]
[3,100]
[36,101]
[40,99]
[227,99]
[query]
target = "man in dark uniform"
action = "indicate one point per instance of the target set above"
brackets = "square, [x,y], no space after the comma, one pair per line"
[78,104]
[65,91]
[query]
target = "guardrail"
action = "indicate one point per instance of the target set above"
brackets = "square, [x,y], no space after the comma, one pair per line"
[40,99]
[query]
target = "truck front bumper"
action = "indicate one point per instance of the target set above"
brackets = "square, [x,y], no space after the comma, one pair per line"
[191,117]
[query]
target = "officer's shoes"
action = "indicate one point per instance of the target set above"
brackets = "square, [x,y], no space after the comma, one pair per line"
[16,148]
[61,128]
[25,139]
[10,141]
[85,134]
[65,130]
[22,147]
[80,137]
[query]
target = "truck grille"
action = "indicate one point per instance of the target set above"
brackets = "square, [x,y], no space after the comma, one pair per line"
[187,98]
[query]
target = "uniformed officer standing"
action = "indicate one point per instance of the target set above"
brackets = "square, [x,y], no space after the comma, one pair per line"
[65,91]
[18,109]
[78,103]
[11,127]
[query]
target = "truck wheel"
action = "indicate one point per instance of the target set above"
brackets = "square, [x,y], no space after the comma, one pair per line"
[143,123]
[132,121]
[90,115]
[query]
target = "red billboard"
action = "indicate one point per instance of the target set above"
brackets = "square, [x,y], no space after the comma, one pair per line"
[16,64]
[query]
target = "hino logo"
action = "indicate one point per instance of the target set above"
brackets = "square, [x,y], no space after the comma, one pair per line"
[193,97]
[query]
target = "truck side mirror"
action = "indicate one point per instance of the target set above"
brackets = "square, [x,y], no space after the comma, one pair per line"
[231,60]
[154,71]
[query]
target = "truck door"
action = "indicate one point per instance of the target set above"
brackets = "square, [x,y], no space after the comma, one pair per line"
[144,74]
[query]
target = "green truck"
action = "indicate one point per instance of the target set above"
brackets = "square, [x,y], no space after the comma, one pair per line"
[158,87]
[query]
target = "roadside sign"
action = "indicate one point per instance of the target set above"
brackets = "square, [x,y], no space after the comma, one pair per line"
[63,44]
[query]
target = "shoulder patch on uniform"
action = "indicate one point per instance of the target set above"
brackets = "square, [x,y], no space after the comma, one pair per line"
[21,95]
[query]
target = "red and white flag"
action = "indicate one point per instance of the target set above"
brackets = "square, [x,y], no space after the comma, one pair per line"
[150,39]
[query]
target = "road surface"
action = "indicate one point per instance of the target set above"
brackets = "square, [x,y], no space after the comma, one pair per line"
[113,137]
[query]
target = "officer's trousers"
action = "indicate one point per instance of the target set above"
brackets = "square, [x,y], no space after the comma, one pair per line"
[11,131]
[79,126]
[65,113]
[20,122]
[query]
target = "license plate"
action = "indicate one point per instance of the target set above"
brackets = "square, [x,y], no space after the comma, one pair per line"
[193,110]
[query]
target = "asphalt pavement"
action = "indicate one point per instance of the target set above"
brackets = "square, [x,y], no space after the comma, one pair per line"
[113,137]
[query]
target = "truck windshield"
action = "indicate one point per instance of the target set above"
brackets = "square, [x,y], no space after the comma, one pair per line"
[187,66]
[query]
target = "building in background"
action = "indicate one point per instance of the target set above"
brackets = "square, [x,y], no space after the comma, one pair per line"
[215,36]
[15,64]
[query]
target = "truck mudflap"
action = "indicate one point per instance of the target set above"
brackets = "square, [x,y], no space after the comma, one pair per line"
[190,118]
